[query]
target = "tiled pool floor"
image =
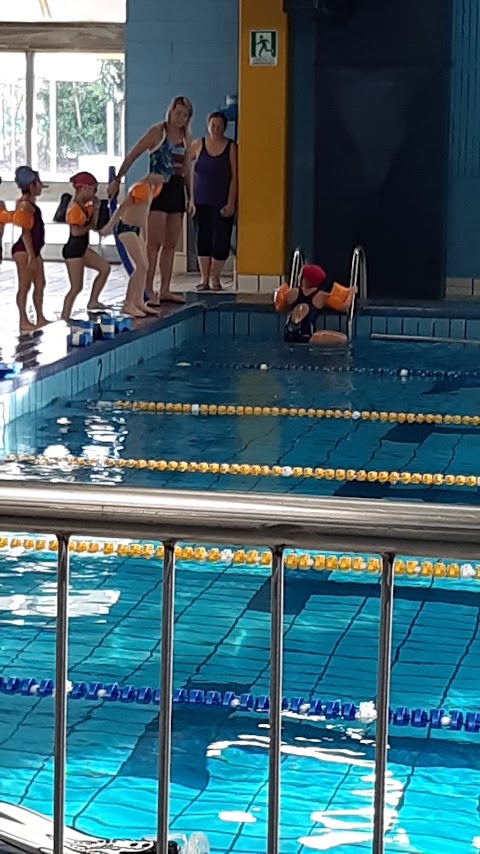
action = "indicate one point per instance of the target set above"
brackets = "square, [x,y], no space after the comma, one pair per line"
[219,760]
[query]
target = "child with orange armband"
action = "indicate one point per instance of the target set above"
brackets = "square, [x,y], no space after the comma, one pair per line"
[305,303]
[26,251]
[130,223]
[80,216]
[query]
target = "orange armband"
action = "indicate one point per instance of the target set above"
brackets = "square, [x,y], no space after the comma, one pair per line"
[5,216]
[140,194]
[76,216]
[337,297]
[23,219]
[280,299]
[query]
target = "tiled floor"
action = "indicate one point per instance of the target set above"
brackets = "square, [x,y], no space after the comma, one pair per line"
[57,286]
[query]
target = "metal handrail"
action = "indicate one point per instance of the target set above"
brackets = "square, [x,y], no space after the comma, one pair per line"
[298,261]
[358,279]
[271,520]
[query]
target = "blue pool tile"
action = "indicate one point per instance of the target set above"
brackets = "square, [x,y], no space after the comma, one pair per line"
[473,329]
[379,325]
[212,323]
[410,326]
[263,325]
[363,327]
[394,325]
[226,323]
[425,326]
[457,329]
[441,327]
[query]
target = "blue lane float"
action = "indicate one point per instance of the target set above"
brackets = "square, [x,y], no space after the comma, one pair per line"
[403,373]
[331,710]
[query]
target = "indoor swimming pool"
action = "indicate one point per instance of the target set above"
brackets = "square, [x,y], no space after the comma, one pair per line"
[331,623]
[381,378]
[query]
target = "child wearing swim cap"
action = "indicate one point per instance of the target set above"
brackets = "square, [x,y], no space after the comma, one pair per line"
[80,216]
[26,251]
[305,303]
[130,222]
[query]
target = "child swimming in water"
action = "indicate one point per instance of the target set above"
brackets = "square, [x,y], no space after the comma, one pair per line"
[131,224]
[305,303]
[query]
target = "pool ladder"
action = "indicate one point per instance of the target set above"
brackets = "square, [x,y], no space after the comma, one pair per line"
[358,279]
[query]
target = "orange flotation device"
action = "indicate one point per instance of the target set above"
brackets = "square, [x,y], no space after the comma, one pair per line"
[5,216]
[23,219]
[140,193]
[77,216]
[338,297]
[280,299]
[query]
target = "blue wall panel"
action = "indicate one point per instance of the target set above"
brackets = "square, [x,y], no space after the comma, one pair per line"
[178,47]
[463,259]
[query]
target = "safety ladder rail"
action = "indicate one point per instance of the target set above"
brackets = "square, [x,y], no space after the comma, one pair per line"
[358,279]
[298,261]
[279,523]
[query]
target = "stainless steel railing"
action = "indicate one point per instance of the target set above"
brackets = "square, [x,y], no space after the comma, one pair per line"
[276,521]
[358,279]
[298,261]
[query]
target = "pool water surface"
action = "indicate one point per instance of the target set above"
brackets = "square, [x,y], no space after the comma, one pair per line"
[219,762]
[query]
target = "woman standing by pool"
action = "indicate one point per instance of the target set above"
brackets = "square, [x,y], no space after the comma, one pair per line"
[215,197]
[170,139]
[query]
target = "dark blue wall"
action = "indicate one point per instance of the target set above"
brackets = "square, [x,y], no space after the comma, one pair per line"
[463,213]
[463,258]
[178,47]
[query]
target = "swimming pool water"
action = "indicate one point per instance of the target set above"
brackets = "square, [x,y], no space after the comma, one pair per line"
[219,764]
[219,767]
[86,425]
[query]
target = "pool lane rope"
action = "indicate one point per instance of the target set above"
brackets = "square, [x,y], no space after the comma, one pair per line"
[392,478]
[255,410]
[328,710]
[294,560]
[401,373]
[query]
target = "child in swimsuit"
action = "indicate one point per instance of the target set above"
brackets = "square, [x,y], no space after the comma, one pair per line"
[305,303]
[80,216]
[130,223]
[26,251]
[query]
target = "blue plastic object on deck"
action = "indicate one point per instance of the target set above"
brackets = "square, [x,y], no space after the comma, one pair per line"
[123,254]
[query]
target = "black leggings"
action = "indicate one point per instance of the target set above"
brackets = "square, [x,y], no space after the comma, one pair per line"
[214,233]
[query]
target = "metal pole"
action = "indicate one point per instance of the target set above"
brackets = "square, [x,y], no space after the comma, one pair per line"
[30,151]
[383,699]
[166,689]
[276,670]
[61,665]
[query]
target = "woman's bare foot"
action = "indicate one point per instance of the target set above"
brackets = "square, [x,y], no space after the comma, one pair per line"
[42,321]
[133,310]
[26,326]
[148,309]
[168,296]
[203,286]
[217,286]
[96,306]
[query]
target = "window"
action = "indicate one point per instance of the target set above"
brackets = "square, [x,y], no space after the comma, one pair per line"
[38,11]
[12,113]
[78,113]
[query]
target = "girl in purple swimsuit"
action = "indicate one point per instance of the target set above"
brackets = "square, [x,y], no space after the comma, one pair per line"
[26,252]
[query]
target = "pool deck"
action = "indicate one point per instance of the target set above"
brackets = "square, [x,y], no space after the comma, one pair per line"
[44,352]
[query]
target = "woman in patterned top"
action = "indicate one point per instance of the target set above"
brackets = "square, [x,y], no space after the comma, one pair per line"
[168,144]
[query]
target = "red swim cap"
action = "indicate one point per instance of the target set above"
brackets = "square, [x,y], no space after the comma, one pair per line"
[83,179]
[313,276]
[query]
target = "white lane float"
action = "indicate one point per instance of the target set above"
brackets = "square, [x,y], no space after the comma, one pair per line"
[23,830]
